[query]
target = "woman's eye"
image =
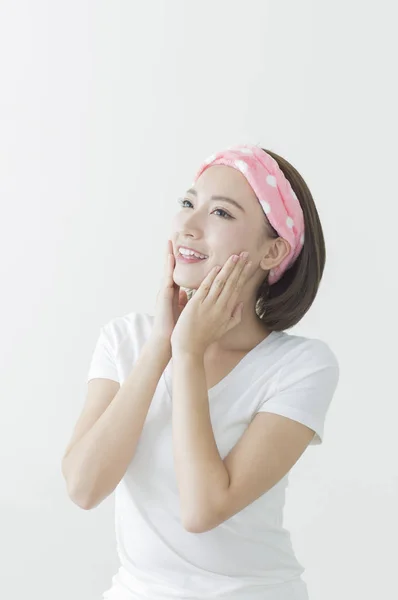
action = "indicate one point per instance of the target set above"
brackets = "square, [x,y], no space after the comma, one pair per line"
[183,200]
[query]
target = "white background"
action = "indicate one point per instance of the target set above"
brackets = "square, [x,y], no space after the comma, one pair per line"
[106,111]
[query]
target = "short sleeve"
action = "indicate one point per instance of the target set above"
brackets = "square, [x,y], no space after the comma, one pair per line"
[103,361]
[305,388]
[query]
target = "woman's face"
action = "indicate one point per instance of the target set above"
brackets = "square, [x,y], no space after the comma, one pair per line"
[217,228]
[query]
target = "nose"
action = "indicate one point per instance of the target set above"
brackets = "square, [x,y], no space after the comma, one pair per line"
[186,227]
[189,227]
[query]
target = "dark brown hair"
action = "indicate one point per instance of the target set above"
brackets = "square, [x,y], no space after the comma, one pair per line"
[283,304]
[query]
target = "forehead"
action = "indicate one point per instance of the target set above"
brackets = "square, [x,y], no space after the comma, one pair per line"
[222,179]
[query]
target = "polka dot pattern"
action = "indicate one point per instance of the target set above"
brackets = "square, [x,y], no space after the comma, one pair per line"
[241,165]
[274,192]
[266,206]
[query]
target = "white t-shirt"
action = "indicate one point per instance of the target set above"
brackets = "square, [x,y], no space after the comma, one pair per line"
[249,556]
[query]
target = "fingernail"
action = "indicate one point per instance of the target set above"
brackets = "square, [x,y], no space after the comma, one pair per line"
[244,255]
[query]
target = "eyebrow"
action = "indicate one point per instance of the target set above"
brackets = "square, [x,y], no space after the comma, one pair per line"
[216,198]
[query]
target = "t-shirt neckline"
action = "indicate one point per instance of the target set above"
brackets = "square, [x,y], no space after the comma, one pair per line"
[223,382]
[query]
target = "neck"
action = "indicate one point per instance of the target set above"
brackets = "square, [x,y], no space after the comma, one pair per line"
[244,336]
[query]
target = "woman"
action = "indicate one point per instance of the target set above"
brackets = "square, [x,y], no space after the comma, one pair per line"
[195,416]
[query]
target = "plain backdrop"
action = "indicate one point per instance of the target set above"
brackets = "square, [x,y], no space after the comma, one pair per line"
[106,111]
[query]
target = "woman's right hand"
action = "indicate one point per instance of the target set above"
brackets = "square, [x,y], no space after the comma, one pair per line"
[170,301]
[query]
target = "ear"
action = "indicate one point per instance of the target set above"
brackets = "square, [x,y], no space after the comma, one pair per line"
[277,250]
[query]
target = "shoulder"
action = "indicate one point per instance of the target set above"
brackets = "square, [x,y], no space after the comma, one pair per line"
[133,326]
[300,358]
[297,350]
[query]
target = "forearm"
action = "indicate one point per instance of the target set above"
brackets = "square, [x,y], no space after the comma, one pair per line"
[201,475]
[98,461]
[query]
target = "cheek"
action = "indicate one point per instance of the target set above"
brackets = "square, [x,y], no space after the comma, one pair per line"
[230,242]
[179,222]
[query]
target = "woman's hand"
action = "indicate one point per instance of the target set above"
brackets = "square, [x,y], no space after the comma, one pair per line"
[213,309]
[170,300]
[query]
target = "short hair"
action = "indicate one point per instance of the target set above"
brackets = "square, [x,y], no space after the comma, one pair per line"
[283,304]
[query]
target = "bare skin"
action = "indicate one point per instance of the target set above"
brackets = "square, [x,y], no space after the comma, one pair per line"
[203,224]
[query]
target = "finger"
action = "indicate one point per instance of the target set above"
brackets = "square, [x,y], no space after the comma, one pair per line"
[166,255]
[237,315]
[170,248]
[183,298]
[237,277]
[231,295]
[171,253]
[205,286]
[226,291]
[220,281]
[167,258]
[169,265]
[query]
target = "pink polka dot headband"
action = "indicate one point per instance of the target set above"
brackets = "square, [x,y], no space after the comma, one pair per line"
[273,191]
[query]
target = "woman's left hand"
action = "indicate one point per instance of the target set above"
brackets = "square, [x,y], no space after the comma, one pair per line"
[212,310]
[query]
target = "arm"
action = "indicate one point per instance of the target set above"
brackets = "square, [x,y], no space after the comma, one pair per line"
[212,490]
[94,466]
[201,474]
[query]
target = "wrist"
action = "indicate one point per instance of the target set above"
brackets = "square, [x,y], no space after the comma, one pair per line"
[159,344]
[188,353]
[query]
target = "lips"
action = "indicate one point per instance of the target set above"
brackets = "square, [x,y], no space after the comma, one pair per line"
[189,259]
[191,249]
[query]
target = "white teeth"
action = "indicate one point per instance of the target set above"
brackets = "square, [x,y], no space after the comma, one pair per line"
[185,252]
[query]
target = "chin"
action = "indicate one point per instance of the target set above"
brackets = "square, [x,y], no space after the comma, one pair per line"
[186,280]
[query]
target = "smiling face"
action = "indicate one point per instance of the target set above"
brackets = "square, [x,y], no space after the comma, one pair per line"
[218,228]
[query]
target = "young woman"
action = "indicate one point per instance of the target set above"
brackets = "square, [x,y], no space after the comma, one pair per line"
[195,416]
